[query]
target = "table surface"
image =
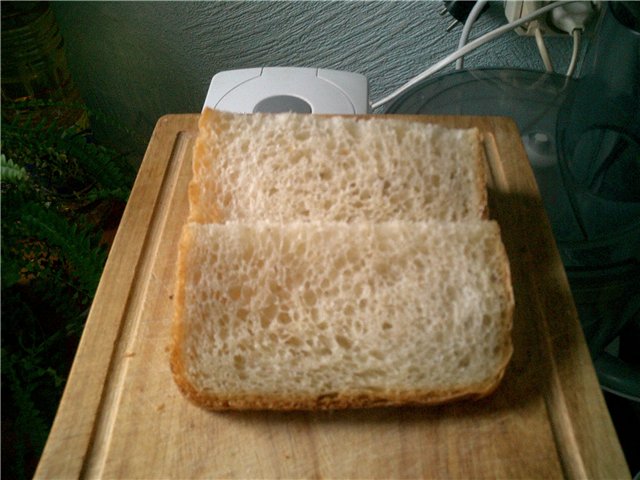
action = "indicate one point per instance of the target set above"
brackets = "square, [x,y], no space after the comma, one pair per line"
[122,416]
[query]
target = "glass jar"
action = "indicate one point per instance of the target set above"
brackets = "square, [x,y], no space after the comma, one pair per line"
[35,77]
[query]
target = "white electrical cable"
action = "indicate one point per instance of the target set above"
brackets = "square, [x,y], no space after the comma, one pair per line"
[577,34]
[466,30]
[461,52]
[542,48]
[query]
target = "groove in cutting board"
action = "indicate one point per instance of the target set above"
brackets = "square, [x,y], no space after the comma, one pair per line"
[495,173]
[133,313]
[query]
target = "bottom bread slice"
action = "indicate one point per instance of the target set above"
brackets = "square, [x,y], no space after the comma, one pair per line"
[317,315]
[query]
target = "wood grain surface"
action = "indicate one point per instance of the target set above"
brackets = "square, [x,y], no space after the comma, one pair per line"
[122,416]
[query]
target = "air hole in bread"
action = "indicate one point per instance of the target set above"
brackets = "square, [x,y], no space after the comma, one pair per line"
[302,135]
[239,362]
[300,249]
[294,279]
[464,361]
[438,335]
[247,253]
[296,156]
[339,263]
[293,342]
[234,292]
[246,293]
[377,354]
[468,323]
[343,341]
[284,318]
[326,175]
[267,315]
[450,293]
[309,297]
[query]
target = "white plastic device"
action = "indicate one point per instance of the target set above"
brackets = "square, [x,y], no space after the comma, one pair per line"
[288,89]
[560,21]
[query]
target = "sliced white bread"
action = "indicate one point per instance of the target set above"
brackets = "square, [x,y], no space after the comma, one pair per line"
[312,315]
[292,167]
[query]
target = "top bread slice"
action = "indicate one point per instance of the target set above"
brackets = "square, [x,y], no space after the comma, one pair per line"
[298,167]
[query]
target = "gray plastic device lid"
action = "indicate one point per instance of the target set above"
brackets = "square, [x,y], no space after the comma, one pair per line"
[288,89]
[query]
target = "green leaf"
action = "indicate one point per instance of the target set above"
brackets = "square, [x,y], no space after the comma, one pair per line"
[10,172]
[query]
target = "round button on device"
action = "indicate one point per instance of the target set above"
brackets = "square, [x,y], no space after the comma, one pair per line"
[281,104]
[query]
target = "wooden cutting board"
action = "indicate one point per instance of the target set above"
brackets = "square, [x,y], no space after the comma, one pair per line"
[122,416]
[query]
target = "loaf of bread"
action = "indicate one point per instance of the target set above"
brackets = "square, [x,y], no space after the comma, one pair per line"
[291,167]
[334,262]
[310,315]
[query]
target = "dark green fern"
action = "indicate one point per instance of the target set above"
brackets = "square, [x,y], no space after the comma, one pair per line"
[76,244]
[66,159]
[56,184]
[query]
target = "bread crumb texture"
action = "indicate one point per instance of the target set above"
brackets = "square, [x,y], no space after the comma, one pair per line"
[293,167]
[309,308]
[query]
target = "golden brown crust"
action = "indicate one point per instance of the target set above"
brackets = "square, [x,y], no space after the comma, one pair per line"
[210,120]
[481,181]
[177,364]
[508,289]
[331,400]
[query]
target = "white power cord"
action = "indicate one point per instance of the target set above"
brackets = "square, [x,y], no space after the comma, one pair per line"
[573,19]
[577,35]
[461,52]
[542,48]
[466,29]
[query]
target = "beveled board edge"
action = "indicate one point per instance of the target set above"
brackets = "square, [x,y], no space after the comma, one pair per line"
[72,433]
